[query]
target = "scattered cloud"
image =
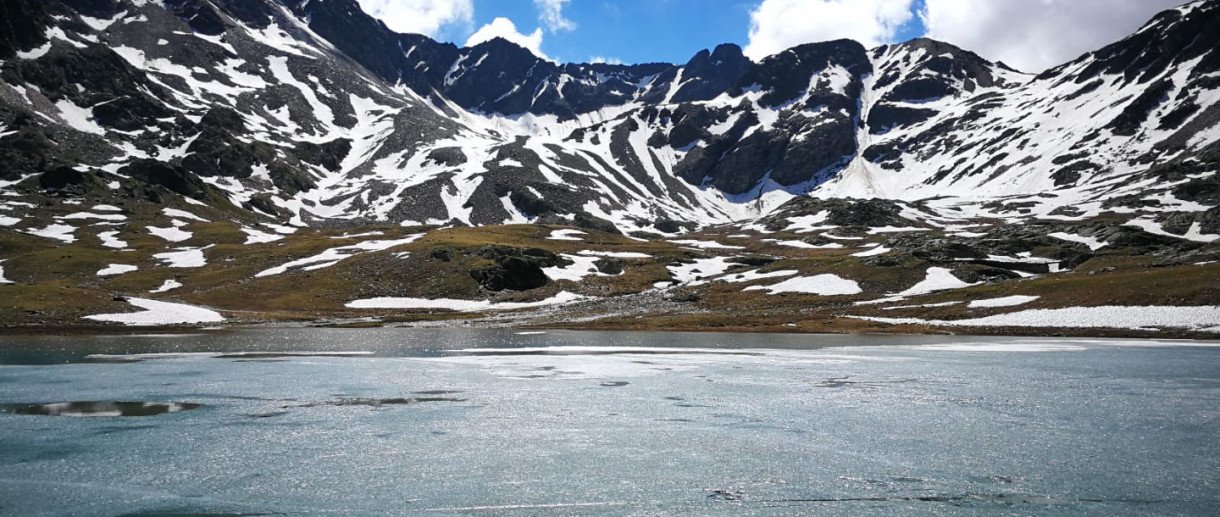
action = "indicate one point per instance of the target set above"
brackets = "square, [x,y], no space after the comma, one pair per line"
[428,17]
[505,28]
[776,25]
[607,60]
[550,13]
[1036,35]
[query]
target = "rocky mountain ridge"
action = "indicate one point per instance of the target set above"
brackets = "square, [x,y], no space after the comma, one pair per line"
[314,113]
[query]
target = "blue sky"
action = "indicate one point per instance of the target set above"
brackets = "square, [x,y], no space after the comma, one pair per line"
[633,31]
[1029,34]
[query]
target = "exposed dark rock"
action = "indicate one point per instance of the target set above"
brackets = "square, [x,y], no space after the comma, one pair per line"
[609,266]
[842,212]
[174,178]
[64,177]
[447,156]
[516,269]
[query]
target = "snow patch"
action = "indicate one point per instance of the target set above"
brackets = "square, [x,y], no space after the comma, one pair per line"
[707,245]
[615,254]
[823,285]
[183,258]
[254,236]
[879,250]
[1093,244]
[173,233]
[117,269]
[700,270]
[168,285]
[111,240]
[563,297]
[566,235]
[1006,301]
[59,232]
[334,256]
[161,313]
[937,279]
[182,214]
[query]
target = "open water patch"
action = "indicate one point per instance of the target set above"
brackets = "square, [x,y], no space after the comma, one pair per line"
[98,409]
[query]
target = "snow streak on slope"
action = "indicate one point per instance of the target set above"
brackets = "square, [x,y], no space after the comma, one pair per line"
[311,113]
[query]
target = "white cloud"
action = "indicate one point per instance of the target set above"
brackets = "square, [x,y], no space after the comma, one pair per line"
[776,25]
[550,13]
[505,28]
[1034,35]
[605,60]
[428,17]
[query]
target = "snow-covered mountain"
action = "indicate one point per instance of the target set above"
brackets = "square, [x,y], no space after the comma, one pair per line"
[312,112]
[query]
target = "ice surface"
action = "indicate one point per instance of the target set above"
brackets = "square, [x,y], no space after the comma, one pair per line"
[707,424]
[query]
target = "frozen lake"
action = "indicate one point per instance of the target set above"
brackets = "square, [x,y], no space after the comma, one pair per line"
[466,422]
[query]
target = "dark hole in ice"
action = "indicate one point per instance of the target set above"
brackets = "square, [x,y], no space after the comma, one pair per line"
[614,384]
[98,409]
[396,401]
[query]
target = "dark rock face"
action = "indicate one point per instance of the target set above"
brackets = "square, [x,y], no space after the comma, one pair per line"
[517,269]
[27,35]
[709,74]
[785,76]
[869,213]
[174,178]
[1174,38]
[1136,113]
[28,150]
[64,177]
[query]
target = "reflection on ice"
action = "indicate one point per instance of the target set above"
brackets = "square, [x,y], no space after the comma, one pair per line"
[1001,347]
[602,350]
[133,358]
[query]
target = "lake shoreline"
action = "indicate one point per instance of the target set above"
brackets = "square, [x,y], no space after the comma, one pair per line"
[728,328]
